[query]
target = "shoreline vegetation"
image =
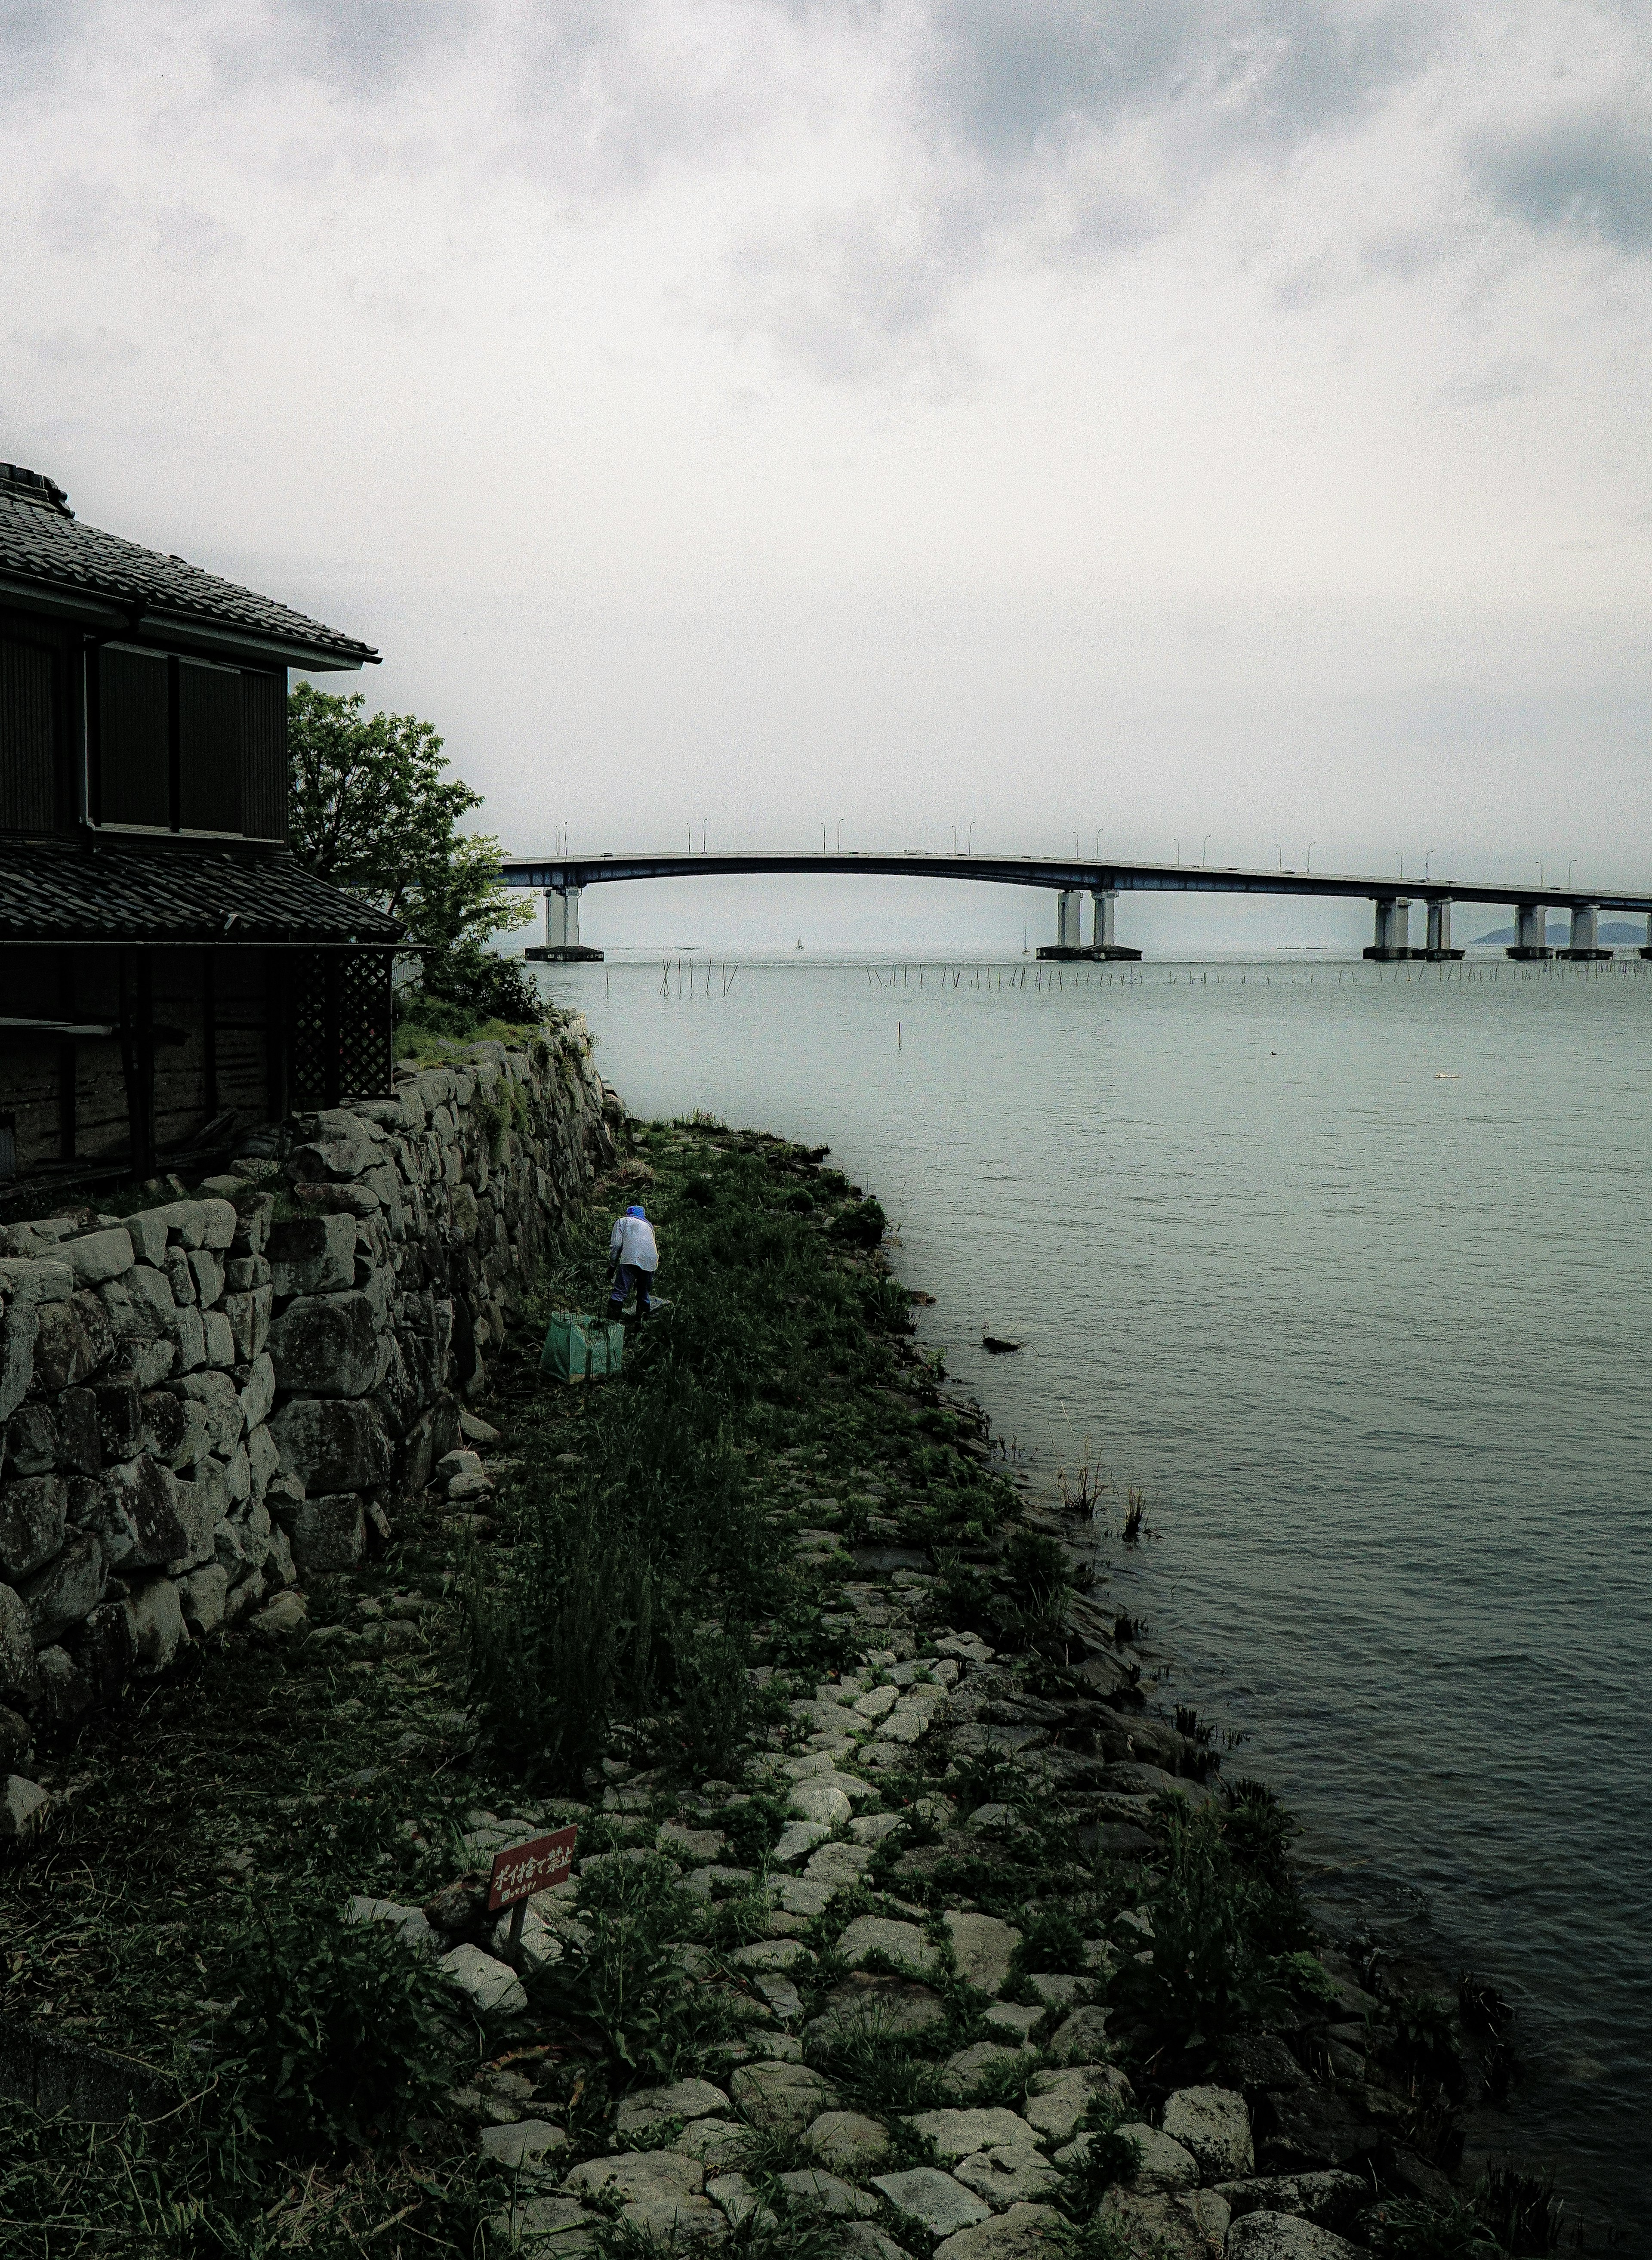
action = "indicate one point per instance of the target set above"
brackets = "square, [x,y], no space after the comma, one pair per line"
[902,1923]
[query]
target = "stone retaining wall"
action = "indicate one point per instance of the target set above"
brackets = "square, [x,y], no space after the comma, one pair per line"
[209,1399]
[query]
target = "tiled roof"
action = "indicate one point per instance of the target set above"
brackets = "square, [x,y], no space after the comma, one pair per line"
[42,541]
[52,891]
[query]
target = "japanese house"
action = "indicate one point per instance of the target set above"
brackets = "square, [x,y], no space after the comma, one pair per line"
[169,972]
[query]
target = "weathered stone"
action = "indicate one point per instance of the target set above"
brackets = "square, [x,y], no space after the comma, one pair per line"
[1164,2164]
[876,2005]
[1179,2225]
[340,1145]
[16,1741]
[33,1518]
[849,2141]
[1008,2177]
[19,1673]
[218,1339]
[492,1987]
[149,1234]
[72,1340]
[897,1945]
[966,2070]
[329,1533]
[783,2095]
[1057,2101]
[19,1329]
[821,1801]
[66,1692]
[312,1254]
[35,1279]
[1285,2237]
[30,1441]
[24,1810]
[960,2134]
[217,1394]
[249,1315]
[280,1619]
[639,2177]
[203,1594]
[717,2143]
[797,1838]
[68,1589]
[100,1256]
[983,1947]
[157,1622]
[333,1443]
[685,2099]
[79,1442]
[119,1417]
[823,2192]
[208,1273]
[258,1389]
[1331,2198]
[933,2201]
[325,1344]
[1079,2038]
[1214,2124]
[527,2143]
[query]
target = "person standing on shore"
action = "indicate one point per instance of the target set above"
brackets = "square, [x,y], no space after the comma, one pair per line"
[633,1259]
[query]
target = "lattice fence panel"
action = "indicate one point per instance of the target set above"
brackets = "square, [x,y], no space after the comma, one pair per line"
[338,1027]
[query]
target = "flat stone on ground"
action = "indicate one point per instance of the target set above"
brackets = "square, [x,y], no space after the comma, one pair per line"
[785,2095]
[1165,2165]
[641,2177]
[933,2199]
[868,2242]
[1057,2101]
[717,2143]
[1214,2124]
[848,2139]
[545,2229]
[982,1947]
[523,2144]
[882,2004]
[797,1838]
[685,2099]
[1331,2198]
[966,2070]
[1026,2232]
[493,1987]
[1285,2237]
[1186,2225]
[1008,2177]
[825,2192]
[901,1944]
[960,2134]
[1081,2038]
[671,2222]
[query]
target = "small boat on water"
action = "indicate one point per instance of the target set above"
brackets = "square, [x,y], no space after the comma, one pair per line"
[991,1343]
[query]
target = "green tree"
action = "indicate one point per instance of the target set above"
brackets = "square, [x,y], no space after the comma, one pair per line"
[374,810]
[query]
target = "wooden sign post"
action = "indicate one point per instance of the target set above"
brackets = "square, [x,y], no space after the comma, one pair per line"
[538,1865]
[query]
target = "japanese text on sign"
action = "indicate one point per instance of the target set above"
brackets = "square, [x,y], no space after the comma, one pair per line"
[535,1866]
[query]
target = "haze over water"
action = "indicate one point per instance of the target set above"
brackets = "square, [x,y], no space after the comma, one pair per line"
[1350,1273]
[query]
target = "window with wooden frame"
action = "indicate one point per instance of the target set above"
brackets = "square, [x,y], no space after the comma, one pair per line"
[186,746]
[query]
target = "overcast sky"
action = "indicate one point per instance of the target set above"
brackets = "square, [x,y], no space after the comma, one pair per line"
[1186,419]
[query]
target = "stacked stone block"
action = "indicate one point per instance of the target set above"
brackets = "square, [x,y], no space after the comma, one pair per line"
[225,1393]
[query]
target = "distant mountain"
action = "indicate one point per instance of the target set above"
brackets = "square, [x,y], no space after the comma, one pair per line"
[1621,932]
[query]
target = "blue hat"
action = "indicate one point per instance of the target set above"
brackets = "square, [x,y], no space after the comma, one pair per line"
[636,1211]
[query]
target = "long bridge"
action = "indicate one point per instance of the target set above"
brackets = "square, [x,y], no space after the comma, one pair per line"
[563,879]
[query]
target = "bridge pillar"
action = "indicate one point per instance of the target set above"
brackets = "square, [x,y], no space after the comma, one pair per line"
[1393,929]
[1069,914]
[1586,932]
[1104,899]
[1439,945]
[1531,931]
[561,943]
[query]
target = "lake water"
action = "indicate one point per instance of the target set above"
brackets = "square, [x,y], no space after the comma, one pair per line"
[1350,1271]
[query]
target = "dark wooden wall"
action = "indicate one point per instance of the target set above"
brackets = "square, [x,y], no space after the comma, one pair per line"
[200,1015]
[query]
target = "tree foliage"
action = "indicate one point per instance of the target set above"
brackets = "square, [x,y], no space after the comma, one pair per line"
[374,810]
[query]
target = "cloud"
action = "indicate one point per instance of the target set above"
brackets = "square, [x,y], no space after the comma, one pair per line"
[1019,81]
[1587,172]
[366,47]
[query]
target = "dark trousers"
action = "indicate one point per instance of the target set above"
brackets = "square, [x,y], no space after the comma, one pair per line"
[628,1278]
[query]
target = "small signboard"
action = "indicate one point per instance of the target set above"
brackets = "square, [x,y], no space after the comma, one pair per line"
[524,1869]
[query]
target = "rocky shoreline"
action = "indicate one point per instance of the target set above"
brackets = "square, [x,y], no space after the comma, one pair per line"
[901,1924]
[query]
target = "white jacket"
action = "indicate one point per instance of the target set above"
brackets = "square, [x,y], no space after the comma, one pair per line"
[631,1241]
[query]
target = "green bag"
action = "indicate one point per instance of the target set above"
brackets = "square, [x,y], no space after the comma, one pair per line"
[578,1346]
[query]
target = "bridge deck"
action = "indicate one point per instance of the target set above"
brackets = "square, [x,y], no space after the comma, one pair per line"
[563,872]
